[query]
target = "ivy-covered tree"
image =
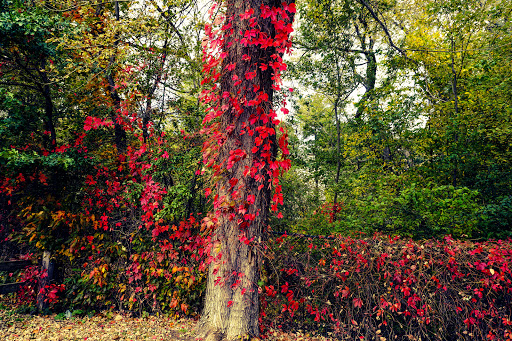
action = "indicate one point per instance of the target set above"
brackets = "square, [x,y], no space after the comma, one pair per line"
[247,42]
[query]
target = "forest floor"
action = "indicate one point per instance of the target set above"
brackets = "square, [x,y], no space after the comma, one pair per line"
[107,326]
[101,326]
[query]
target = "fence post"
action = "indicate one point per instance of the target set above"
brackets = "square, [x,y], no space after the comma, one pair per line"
[47,268]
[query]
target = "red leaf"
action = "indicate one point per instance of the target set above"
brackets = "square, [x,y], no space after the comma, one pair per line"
[247,14]
[250,75]
[233,182]
[43,178]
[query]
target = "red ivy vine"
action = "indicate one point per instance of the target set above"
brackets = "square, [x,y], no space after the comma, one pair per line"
[260,125]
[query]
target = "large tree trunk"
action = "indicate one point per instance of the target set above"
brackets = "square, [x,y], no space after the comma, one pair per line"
[243,184]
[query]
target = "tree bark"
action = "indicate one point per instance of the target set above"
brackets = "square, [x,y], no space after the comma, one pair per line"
[49,125]
[146,115]
[119,132]
[120,138]
[371,76]
[231,307]
[456,109]
[336,104]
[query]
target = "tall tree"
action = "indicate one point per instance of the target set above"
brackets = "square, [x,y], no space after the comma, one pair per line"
[341,43]
[242,151]
[25,57]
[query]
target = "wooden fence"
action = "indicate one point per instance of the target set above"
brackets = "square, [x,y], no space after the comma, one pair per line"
[10,266]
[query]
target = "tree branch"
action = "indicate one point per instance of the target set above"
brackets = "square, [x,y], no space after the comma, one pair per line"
[382,25]
[20,84]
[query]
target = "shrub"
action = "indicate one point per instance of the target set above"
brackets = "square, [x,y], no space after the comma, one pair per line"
[122,235]
[390,288]
[496,219]
[433,211]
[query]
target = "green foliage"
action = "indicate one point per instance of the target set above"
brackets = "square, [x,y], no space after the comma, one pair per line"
[495,219]
[435,211]
[426,150]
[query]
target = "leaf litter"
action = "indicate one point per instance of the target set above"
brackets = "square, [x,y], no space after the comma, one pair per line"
[111,326]
[100,327]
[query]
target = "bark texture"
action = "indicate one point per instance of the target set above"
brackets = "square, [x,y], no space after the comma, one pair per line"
[231,306]
[49,124]
[120,137]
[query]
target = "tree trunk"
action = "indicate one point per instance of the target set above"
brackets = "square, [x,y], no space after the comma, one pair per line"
[371,76]
[243,184]
[146,115]
[119,132]
[49,126]
[371,65]
[456,109]
[338,137]
[338,153]
[120,138]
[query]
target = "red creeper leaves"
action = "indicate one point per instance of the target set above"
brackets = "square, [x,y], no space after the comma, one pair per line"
[95,123]
[245,74]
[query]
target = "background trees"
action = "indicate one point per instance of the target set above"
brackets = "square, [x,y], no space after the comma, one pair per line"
[104,178]
[417,128]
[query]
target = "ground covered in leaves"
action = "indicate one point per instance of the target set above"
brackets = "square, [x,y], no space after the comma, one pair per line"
[106,326]
[98,327]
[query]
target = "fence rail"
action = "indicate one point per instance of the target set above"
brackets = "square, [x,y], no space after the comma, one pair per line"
[47,267]
[13,266]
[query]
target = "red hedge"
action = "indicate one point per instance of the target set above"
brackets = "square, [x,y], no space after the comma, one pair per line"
[386,288]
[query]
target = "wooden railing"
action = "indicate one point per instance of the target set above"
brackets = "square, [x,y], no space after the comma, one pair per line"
[47,266]
[11,266]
